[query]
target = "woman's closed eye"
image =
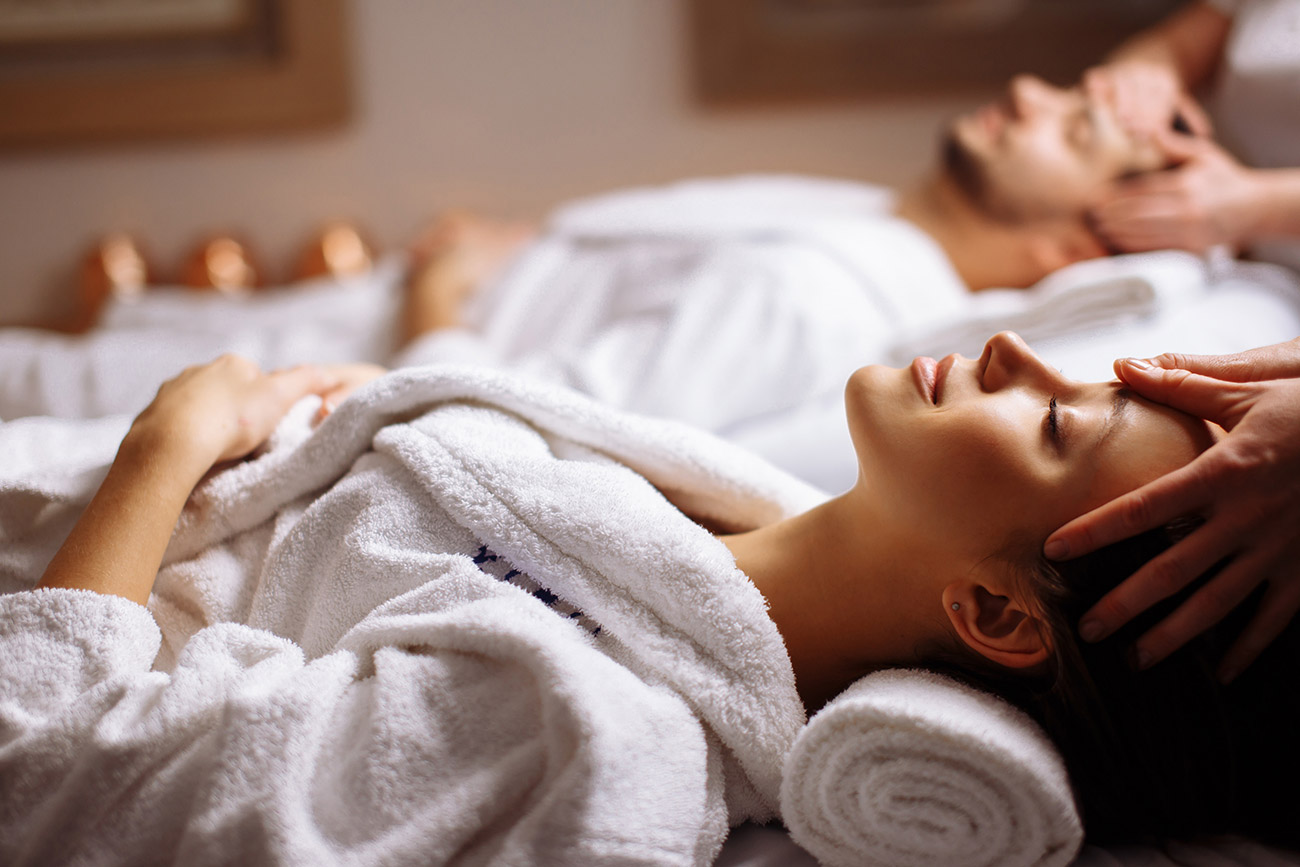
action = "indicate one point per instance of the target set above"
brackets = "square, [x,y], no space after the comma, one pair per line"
[1053,422]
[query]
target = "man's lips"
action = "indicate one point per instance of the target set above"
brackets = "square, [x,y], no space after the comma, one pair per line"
[924,374]
[992,118]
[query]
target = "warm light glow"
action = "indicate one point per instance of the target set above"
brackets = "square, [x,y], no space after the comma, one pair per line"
[344,251]
[123,265]
[228,267]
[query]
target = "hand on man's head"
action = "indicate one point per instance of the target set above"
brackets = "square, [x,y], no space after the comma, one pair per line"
[1205,199]
[1148,98]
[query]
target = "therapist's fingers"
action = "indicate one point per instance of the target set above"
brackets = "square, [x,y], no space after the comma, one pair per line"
[1195,117]
[1145,232]
[1129,211]
[1222,402]
[1204,608]
[1162,577]
[1181,492]
[1276,361]
[1177,147]
[1276,611]
[1149,214]
[1187,490]
[1169,182]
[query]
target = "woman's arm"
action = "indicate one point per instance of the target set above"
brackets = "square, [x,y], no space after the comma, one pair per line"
[212,413]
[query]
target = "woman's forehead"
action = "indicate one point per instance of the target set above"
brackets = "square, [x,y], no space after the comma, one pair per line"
[1146,441]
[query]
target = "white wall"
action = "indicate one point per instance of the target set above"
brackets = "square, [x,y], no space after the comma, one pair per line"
[505,106]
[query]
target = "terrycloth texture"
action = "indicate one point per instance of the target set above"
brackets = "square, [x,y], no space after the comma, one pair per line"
[910,769]
[342,671]
[1179,297]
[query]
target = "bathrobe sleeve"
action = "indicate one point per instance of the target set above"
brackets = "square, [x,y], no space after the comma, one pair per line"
[419,739]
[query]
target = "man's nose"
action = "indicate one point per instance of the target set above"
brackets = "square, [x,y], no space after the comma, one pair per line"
[1029,95]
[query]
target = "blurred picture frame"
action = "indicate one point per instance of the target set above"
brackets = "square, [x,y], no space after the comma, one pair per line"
[75,71]
[762,51]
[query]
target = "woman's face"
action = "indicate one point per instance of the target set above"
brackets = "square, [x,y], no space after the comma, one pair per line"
[973,453]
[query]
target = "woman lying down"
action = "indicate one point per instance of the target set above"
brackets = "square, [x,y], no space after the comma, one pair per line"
[472,619]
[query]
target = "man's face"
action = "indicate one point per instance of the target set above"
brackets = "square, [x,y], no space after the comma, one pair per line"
[1041,152]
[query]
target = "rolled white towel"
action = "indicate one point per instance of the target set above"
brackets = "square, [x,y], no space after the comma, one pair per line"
[908,768]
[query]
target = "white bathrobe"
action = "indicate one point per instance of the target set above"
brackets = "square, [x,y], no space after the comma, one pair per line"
[458,623]
[732,304]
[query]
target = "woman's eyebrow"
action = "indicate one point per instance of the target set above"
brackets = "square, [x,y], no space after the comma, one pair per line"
[1120,401]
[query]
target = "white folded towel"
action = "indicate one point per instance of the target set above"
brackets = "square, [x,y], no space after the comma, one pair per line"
[1095,295]
[908,768]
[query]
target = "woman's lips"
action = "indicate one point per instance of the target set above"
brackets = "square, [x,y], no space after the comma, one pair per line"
[924,372]
[941,371]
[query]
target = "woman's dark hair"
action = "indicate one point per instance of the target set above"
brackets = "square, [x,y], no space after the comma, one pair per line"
[1166,752]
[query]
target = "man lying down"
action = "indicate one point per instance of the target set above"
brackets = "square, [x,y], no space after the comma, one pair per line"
[469,618]
[726,304]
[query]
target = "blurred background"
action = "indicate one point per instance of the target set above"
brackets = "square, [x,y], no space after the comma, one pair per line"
[267,118]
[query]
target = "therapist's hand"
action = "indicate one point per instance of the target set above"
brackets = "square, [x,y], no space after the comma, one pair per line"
[1206,199]
[1145,96]
[1247,486]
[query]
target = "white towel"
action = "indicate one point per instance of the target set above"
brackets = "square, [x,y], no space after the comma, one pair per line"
[1088,296]
[910,769]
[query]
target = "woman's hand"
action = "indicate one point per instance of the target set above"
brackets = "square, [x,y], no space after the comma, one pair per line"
[1247,486]
[211,413]
[224,409]
[1146,97]
[1207,199]
[348,378]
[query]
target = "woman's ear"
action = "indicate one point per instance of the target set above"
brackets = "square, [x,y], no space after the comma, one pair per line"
[1000,628]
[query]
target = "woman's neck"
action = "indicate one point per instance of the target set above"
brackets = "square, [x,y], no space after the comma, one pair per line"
[838,588]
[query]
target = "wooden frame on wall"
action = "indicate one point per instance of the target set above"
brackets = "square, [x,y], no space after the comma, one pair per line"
[748,51]
[284,68]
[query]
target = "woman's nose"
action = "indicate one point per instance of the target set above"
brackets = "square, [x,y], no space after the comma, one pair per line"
[1008,360]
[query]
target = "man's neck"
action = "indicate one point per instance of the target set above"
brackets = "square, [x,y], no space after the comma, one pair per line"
[986,253]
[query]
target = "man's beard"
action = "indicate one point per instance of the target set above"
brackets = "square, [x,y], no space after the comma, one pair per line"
[971,177]
[962,167]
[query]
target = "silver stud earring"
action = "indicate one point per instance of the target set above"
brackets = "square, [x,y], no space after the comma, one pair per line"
[956,606]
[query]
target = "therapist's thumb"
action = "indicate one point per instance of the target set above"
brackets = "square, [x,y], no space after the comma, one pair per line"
[1223,403]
